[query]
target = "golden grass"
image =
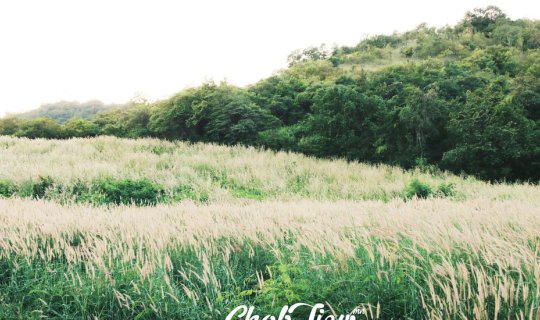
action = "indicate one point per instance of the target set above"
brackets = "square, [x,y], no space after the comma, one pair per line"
[201,166]
[500,231]
[480,250]
[503,234]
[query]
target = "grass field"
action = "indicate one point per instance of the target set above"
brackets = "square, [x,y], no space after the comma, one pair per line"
[108,228]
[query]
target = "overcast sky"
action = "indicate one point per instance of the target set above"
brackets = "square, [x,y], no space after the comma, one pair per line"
[110,50]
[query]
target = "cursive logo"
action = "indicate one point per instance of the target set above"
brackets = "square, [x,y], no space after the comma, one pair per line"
[317,313]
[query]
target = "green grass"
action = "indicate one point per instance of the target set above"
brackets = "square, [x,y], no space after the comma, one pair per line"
[141,192]
[58,290]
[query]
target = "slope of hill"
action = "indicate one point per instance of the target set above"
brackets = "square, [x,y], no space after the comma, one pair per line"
[213,173]
[479,30]
[65,110]
[149,229]
[464,98]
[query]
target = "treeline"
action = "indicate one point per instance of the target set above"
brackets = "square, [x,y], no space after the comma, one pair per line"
[62,111]
[463,98]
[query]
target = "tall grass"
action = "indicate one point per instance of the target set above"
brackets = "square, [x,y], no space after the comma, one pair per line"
[420,259]
[212,173]
[191,231]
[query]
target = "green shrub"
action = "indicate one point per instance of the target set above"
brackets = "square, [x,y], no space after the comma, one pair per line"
[126,191]
[446,190]
[418,189]
[247,193]
[26,189]
[287,284]
[7,188]
[81,191]
[40,187]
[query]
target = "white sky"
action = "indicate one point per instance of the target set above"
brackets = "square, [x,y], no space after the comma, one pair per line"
[110,49]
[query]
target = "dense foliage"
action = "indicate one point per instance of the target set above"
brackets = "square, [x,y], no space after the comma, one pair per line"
[464,98]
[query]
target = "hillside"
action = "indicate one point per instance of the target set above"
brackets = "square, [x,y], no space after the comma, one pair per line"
[480,29]
[62,111]
[211,173]
[463,98]
[150,229]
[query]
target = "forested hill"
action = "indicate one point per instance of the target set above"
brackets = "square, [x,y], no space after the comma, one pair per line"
[464,98]
[65,110]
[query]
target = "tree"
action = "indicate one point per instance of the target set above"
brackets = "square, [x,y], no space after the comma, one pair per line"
[40,128]
[112,123]
[493,139]
[79,127]
[9,126]
[422,116]
[170,119]
[281,138]
[497,59]
[186,115]
[526,92]
[484,19]
[308,54]
[239,122]
[340,123]
[508,35]
[278,94]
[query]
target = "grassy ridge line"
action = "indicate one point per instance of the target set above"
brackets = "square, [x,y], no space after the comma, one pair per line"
[224,174]
[436,259]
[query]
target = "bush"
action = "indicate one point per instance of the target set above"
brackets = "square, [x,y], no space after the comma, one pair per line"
[40,187]
[7,188]
[418,189]
[446,190]
[278,139]
[126,191]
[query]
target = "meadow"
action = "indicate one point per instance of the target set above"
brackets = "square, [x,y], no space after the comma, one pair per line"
[109,228]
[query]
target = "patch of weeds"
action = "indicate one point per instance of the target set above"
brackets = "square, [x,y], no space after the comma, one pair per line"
[424,167]
[183,192]
[247,193]
[421,190]
[39,188]
[157,149]
[203,197]
[286,285]
[26,189]
[377,195]
[7,188]
[81,191]
[299,182]
[216,175]
[445,190]
[187,192]
[418,189]
[126,191]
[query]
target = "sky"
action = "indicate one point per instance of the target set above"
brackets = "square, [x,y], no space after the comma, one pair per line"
[114,50]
